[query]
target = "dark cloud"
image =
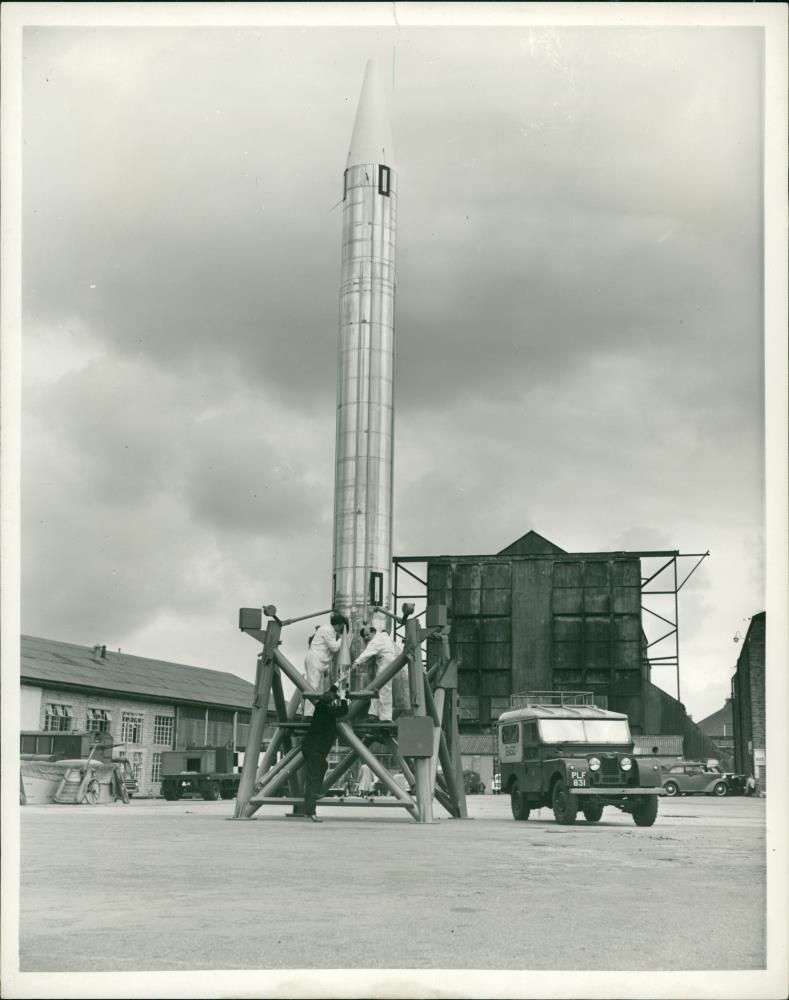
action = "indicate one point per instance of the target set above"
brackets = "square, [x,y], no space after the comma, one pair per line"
[578,309]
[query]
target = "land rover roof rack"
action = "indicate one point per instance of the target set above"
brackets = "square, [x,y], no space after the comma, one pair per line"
[526,699]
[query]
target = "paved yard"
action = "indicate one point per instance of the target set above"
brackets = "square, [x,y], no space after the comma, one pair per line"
[154,885]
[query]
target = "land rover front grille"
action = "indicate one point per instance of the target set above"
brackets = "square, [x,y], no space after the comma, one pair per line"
[609,771]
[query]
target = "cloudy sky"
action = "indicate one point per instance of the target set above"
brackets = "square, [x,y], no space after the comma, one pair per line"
[579,317]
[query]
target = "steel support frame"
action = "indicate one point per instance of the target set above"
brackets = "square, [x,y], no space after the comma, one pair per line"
[262,778]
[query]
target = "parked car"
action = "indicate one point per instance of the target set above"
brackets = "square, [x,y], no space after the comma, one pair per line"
[735,783]
[693,777]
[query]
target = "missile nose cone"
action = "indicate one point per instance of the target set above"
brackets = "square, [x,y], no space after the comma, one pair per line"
[371,141]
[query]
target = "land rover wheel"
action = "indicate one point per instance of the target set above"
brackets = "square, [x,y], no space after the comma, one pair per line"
[518,802]
[592,811]
[719,789]
[671,788]
[211,792]
[565,804]
[645,813]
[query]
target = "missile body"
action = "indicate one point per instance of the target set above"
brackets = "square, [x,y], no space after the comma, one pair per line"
[365,403]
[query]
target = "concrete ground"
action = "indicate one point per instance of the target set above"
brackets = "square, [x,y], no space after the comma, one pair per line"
[155,886]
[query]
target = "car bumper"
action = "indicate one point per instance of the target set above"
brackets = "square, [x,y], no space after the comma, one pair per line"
[617,793]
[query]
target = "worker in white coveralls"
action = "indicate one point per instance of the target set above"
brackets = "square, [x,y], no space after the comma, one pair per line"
[380,648]
[325,643]
[366,782]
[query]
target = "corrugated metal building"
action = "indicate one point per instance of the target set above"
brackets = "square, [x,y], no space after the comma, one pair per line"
[534,617]
[748,711]
[146,705]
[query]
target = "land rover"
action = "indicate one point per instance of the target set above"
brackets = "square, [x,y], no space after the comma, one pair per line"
[574,757]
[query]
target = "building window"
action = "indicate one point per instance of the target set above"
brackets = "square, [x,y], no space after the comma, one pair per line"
[156,767]
[98,720]
[163,730]
[131,727]
[383,180]
[58,718]
[136,763]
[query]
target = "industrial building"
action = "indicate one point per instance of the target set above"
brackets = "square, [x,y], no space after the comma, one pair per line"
[720,728]
[146,705]
[534,617]
[747,700]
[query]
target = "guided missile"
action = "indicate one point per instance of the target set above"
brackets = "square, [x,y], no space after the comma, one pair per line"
[363,467]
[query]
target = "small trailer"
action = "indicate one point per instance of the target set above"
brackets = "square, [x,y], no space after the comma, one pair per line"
[206,771]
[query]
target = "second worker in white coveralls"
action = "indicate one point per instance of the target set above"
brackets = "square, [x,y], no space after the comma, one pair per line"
[324,645]
[381,649]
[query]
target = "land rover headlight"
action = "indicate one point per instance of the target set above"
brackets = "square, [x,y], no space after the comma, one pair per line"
[626,763]
[594,763]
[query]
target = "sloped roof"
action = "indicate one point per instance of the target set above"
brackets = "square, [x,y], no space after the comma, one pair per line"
[531,544]
[713,724]
[63,664]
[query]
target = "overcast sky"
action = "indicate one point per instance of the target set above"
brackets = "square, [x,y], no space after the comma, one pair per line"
[579,317]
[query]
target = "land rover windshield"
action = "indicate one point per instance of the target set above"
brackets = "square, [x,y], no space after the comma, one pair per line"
[584,731]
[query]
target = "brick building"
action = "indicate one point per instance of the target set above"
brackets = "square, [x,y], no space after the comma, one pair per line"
[147,706]
[747,697]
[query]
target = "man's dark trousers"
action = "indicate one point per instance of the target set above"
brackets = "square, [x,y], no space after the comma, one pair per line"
[315,765]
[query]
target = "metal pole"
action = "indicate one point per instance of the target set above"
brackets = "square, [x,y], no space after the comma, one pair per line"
[285,771]
[442,749]
[455,763]
[270,755]
[275,771]
[282,715]
[377,683]
[292,673]
[676,622]
[339,769]
[391,744]
[257,722]
[448,772]
[424,791]
[303,618]
[437,712]
[377,768]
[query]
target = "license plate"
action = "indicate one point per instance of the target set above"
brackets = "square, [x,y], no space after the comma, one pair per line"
[577,778]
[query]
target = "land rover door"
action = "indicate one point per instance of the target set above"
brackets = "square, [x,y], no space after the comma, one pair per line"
[532,759]
[510,746]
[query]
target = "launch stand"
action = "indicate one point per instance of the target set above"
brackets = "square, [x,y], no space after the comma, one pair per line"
[419,741]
